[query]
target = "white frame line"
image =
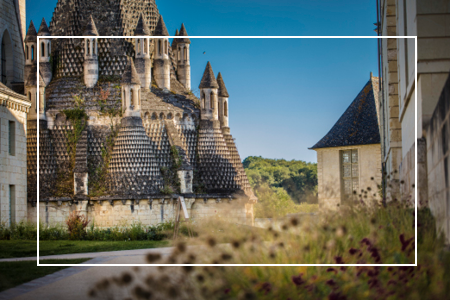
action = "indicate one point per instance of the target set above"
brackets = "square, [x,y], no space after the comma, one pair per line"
[232,37]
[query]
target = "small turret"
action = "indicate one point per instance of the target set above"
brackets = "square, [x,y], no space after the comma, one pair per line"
[223,102]
[90,54]
[174,44]
[37,99]
[30,45]
[142,46]
[131,91]
[45,52]
[161,63]
[208,95]
[183,59]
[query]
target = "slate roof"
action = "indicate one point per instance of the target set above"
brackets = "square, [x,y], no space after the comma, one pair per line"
[31,33]
[160,29]
[130,75]
[141,28]
[91,29]
[43,29]
[222,88]
[358,125]
[183,32]
[208,79]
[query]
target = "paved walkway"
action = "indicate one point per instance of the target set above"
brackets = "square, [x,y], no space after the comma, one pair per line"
[75,282]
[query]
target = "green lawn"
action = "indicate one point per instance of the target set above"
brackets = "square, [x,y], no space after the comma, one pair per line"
[26,248]
[18,272]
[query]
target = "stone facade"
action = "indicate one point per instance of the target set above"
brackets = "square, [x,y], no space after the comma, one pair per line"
[428,20]
[356,132]
[14,107]
[162,142]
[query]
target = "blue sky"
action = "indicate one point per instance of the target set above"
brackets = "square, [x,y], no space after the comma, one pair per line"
[285,94]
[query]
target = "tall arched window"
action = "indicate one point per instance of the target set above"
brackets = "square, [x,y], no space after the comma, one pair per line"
[26,51]
[225,109]
[132,99]
[179,53]
[88,43]
[204,100]
[42,49]
[159,47]
[139,46]
[48,48]
[167,47]
[32,52]
[211,100]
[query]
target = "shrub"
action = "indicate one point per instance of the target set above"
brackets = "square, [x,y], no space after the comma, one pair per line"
[76,226]
[18,231]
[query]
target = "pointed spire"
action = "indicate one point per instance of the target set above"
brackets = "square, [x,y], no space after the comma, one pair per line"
[222,88]
[183,32]
[31,34]
[208,79]
[130,75]
[43,29]
[160,29]
[141,27]
[91,29]
[175,41]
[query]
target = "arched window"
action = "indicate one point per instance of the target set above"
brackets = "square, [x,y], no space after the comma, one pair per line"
[179,53]
[211,100]
[161,116]
[169,116]
[26,51]
[32,53]
[132,98]
[167,47]
[159,47]
[225,109]
[88,43]
[154,116]
[42,49]
[203,100]
[139,46]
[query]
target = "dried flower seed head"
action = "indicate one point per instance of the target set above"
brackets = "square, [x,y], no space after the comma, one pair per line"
[294,222]
[272,255]
[181,247]
[211,241]
[126,278]
[369,188]
[152,257]
[371,178]
[236,244]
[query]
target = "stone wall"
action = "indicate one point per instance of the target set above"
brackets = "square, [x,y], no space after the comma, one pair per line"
[12,31]
[329,172]
[13,168]
[147,212]
[438,145]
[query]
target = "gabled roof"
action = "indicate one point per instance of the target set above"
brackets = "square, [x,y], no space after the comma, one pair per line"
[160,29]
[208,79]
[91,29]
[222,88]
[358,125]
[183,32]
[130,75]
[31,33]
[141,27]
[43,29]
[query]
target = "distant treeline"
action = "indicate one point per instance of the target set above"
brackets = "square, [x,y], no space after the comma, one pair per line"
[296,177]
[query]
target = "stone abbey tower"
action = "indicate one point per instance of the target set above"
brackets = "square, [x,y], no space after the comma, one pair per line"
[121,133]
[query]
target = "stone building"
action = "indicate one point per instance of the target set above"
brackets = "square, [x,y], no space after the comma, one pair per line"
[121,133]
[429,21]
[348,156]
[14,107]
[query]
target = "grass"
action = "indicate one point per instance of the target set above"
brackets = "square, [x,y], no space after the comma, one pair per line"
[18,272]
[24,248]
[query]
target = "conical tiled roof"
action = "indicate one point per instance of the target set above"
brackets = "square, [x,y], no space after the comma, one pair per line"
[208,79]
[222,88]
[91,29]
[358,125]
[175,41]
[183,32]
[31,33]
[141,27]
[161,29]
[43,29]
[130,75]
